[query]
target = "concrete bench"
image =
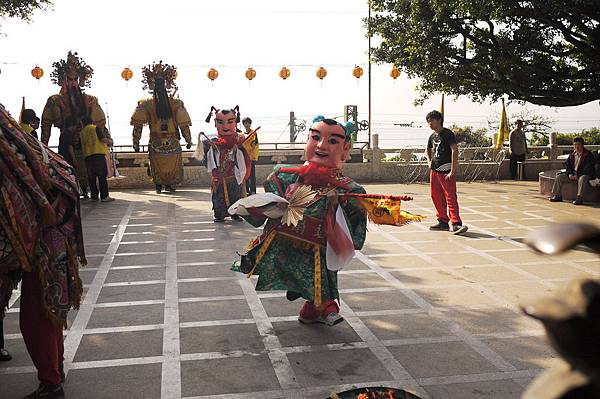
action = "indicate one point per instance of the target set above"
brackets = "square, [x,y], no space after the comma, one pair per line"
[569,191]
[532,167]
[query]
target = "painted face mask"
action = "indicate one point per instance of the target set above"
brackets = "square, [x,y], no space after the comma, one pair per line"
[327,145]
[226,124]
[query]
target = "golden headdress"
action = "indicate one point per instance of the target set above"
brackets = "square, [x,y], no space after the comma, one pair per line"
[160,71]
[72,65]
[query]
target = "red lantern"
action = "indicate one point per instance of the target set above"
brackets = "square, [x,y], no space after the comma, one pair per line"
[284,73]
[127,74]
[250,73]
[321,73]
[357,72]
[37,72]
[213,74]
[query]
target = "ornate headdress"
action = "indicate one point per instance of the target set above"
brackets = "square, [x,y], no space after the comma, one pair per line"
[160,71]
[73,65]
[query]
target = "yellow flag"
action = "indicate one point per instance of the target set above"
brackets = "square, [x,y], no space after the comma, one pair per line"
[442,105]
[22,109]
[502,129]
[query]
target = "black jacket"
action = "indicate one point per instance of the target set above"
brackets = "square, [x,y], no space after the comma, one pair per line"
[587,165]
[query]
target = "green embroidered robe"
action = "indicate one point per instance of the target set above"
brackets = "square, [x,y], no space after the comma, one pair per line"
[289,262]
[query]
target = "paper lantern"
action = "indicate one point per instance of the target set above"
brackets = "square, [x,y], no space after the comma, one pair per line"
[250,73]
[213,74]
[321,73]
[395,73]
[37,72]
[357,72]
[284,73]
[127,74]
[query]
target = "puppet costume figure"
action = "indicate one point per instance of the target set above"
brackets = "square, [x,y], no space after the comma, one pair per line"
[302,254]
[71,106]
[167,119]
[227,161]
[41,244]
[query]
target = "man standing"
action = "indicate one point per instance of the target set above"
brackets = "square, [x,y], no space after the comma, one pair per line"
[72,75]
[29,122]
[442,155]
[253,152]
[95,148]
[581,167]
[167,119]
[517,148]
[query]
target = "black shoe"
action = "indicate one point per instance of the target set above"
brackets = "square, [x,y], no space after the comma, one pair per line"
[170,188]
[219,220]
[158,189]
[61,368]
[47,391]
[556,198]
[578,201]
[458,229]
[237,218]
[4,355]
[292,296]
[440,226]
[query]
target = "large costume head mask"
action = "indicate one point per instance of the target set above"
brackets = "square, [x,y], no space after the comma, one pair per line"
[328,143]
[72,73]
[159,79]
[226,120]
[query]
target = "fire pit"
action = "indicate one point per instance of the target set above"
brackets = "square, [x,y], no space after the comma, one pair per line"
[374,393]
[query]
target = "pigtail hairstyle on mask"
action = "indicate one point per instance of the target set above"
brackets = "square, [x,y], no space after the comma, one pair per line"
[212,109]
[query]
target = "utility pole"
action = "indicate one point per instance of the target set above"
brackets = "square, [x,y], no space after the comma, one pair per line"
[369,69]
[292,127]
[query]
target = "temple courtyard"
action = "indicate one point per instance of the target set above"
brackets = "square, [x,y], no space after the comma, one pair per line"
[429,312]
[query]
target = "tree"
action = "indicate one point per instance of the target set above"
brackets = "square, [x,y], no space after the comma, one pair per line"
[538,127]
[590,136]
[466,136]
[546,52]
[22,9]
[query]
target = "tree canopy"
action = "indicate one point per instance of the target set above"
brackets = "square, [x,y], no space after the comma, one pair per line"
[22,9]
[546,52]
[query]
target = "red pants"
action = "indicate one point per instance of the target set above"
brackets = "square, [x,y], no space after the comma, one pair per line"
[443,195]
[44,340]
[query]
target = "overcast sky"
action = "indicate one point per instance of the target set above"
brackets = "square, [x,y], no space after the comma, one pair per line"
[230,36]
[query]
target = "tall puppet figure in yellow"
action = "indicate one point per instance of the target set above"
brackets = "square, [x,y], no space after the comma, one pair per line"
[73,105]
[168,120]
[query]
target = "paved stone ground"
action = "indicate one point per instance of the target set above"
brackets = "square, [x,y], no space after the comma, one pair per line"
[164,317]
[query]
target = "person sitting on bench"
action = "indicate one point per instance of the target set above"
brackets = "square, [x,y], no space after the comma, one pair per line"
[580,169]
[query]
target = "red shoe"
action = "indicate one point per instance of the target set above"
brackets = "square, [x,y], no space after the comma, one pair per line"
[308,313]
[330,313]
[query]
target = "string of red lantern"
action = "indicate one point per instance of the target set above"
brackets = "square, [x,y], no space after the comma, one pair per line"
[250,74]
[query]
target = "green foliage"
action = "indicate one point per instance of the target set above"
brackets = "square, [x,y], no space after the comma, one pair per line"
[546,52]
[590,136]
[22,9]
[539,139]
[467,137]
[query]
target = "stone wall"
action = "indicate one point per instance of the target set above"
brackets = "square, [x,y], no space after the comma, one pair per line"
[133,169]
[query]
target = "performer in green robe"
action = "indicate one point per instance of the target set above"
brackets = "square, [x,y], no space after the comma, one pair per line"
[303,256]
